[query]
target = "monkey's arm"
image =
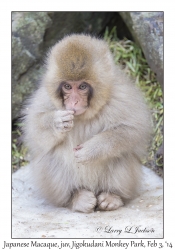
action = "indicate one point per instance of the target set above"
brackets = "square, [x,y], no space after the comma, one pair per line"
[112,143]
[45,130]
[58,121]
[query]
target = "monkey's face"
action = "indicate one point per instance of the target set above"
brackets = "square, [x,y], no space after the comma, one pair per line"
[77,75]
[76,95]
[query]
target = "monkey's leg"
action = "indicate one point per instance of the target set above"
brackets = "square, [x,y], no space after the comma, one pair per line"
[108,201]
[83,201]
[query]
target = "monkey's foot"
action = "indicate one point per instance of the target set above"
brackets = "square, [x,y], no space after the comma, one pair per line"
[83,201]
[108,201]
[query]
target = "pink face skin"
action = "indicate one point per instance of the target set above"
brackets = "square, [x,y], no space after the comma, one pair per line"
[76,96]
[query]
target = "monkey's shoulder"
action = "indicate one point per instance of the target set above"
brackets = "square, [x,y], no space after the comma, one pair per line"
[40,101]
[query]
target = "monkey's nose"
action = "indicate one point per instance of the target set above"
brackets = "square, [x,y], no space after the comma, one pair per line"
[74,103]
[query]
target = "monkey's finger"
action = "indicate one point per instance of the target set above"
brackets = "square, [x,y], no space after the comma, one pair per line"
[64,126]
[78,147]
[68,124]
[62,113]
[67,118]
[79,156]
[67,129]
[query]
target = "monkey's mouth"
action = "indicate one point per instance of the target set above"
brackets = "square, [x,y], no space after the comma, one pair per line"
[79,111]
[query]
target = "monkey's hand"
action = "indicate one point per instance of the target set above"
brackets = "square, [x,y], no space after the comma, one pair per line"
[85,153]
[63,120]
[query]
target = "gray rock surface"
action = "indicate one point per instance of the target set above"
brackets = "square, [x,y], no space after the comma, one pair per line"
[147,30]
[28,30]
[33,217]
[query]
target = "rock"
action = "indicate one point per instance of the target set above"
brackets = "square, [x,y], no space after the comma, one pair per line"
[33,217]
[28,30]
[65,23]
[147,30]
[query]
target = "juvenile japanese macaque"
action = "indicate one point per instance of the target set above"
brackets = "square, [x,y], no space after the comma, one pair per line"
[87,128]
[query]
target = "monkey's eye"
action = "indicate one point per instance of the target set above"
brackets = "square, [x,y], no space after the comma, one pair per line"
[83,86]
[67,86]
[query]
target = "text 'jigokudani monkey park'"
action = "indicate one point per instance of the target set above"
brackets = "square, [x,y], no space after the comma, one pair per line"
[87,128]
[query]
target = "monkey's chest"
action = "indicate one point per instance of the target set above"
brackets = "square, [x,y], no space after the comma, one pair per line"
[79,175]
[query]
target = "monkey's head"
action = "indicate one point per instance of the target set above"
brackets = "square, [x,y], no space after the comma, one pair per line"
[80,74]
